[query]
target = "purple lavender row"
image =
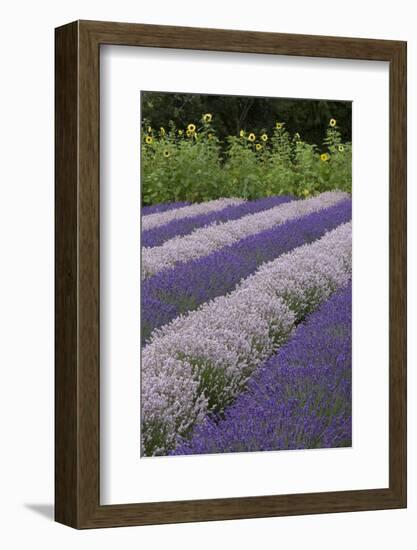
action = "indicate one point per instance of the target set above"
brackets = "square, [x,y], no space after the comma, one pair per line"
[183,288]
[300,399]
[176,228]
[162,207]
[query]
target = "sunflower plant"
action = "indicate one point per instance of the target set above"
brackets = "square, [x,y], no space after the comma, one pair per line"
[242,167]
[190,163]
[182,164]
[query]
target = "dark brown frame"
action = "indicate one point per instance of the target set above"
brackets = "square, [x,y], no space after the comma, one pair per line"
[77,373]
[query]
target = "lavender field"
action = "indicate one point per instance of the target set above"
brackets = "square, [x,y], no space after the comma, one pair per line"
[246,324]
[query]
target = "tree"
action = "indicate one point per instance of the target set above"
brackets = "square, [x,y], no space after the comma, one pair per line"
[308,117]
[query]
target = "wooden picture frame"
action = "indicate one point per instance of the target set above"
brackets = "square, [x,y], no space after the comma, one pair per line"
[77,373]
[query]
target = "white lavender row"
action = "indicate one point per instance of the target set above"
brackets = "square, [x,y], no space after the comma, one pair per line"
[199,362]
[160,218]
[205,240]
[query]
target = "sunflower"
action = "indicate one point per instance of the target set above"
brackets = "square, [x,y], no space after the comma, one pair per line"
[251,137]
[279,125]
[162,130]
[189,133]
[264,137]
[332,122]
[242,133]
[166,153]
[341,148]
[148,140]
[207,117]
[191,128]
[324,157]
[258,146]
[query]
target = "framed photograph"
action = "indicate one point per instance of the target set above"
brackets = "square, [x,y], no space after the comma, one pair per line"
[230,274]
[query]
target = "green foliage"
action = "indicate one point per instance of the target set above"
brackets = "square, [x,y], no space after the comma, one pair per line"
[250,113]
[192,164]
[177,166]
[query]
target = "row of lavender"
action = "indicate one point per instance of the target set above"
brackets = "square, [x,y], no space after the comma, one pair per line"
[158,234]
[165,216]
[172,292]
[198,362]
[301,398]
[205,240]
[163,207]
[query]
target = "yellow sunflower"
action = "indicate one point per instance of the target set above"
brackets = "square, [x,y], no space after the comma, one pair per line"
[258,146]
[324,157]
[148,140]
[341,148]
[264,137]
[251,137]
[166,153]
[279,125]
[191,128]
[332,122]
[242,133]
[207,117]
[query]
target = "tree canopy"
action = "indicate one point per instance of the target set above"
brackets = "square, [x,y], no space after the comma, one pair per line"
[308,117]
